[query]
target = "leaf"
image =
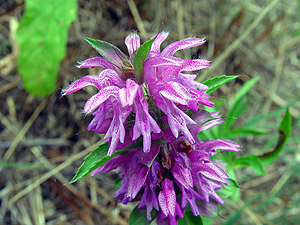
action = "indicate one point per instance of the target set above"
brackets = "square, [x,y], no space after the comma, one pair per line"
[42,37]
[237,107]
[249,160]
[245,131]
[22,165]
[228,191]
[190,219]
[96,159]
[216,82]
[139,58]
[110,52]
[256,120]
[139,217]
[284,133]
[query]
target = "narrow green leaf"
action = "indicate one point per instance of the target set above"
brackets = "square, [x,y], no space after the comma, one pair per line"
[139,217]
[284,133]
[190,219]
[139,58]
[89,164]
[97,158]
[276,112]
[237,106]
[108,51]
[245,131]
[22,165]
[249,160]
[216,82]
[42,37]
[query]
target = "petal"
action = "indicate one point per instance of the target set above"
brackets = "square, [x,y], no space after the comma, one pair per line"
[83,82]
[96,61]
[136,182]
[173,91]
[181,45]
[96,100]
[132,42]
[221,144]
[182,175]
[155,48]
[167,198]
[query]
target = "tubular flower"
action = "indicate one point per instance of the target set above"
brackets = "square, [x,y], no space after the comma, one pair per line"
[180,173]
[150,113]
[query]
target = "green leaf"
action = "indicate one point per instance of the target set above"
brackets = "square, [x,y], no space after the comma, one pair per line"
[258,119]
[249,160]
[117,183]
[139,217]
[22,165]
[284,133]
[246,131]
[237,106]
[110,52]
[139,58]
[42,37]
[190,219]
[228,191]
[216,82]
[97,158]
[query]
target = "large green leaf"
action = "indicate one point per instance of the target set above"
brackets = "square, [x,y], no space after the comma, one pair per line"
[139,59]
[284,133]
[190,219]
[42,37]
[216,82]
[96,159]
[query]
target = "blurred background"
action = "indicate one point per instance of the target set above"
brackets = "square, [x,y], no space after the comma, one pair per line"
[43,140]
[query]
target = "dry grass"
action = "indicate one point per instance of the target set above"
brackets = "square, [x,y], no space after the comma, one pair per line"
[43,141]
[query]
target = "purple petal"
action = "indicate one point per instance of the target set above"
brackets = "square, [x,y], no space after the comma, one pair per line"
[155,48]
[96,100]
[173,91]
[167,198]
[132,42]
[147,157]
[96,61]
[210,170]
[182,175]
[221,144]
[83,82]
[136,182]
[181,45]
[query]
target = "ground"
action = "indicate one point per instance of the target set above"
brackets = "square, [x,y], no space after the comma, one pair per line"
[44,140]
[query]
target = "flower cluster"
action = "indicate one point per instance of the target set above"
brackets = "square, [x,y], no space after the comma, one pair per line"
[150,102]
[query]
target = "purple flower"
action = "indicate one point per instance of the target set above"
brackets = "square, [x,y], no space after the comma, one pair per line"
[171,167]
[171,89]
[118,96]
[173,173]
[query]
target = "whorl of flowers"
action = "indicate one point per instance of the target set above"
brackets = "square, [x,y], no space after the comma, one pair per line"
[146,98]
